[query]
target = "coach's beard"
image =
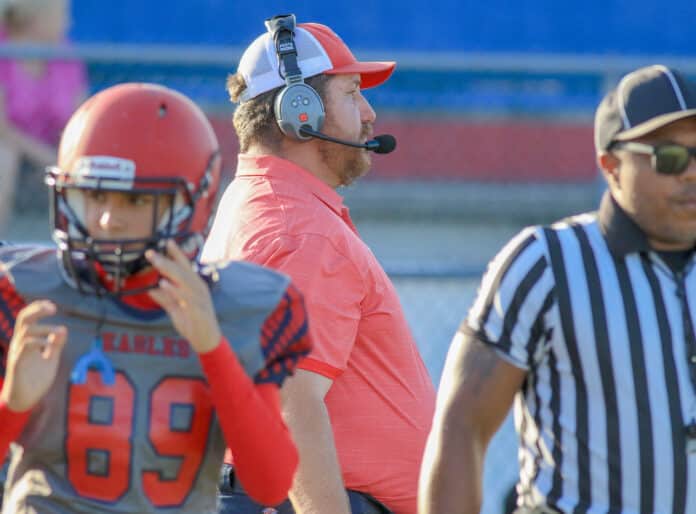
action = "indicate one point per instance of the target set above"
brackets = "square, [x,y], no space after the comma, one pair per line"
[347,163]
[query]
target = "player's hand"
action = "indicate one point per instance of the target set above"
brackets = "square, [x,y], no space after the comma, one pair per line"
[184,295]
[33,357]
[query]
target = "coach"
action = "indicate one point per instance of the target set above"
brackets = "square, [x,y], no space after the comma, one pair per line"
[588,325]
[361,407]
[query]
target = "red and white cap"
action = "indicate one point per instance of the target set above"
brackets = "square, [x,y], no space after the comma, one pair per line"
[319,50]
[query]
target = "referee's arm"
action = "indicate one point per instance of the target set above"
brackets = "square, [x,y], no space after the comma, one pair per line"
[476,392]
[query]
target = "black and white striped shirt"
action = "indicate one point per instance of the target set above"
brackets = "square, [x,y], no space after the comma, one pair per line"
[605,329]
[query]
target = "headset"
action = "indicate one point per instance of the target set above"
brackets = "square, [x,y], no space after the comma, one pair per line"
[297,106]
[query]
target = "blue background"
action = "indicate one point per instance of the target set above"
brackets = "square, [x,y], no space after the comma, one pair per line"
[598,27]
[495,28]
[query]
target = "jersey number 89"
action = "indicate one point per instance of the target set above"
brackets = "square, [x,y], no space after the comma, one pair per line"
[100,429]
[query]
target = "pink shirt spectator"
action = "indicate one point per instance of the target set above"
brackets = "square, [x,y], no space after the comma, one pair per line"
[382,400]
[40,106]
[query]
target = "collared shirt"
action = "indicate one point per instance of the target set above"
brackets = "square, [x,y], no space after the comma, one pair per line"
[382,400]
[605,329]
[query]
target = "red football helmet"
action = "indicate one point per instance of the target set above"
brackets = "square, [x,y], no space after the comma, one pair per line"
[136,138]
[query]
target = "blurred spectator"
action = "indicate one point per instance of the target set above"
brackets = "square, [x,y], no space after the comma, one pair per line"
[36,96]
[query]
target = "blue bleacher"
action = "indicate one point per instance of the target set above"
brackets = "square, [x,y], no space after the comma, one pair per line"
[521,33]
[543,26]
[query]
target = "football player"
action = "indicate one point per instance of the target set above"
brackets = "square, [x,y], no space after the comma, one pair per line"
[128,368]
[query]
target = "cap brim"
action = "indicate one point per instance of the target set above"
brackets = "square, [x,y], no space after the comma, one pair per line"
[371,73]
[644,129]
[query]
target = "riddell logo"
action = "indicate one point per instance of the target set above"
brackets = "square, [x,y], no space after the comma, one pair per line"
[269,510]
[105,171]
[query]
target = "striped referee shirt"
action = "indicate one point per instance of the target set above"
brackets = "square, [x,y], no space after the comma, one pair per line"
[605,329]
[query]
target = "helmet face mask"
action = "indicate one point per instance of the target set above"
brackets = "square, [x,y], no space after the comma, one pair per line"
[146,157]
[117,257]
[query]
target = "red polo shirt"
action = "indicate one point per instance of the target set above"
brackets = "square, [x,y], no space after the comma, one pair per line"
[382,400]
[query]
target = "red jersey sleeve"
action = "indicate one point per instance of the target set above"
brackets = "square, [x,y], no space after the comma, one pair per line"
[10,305]
[285,338]
[264,453]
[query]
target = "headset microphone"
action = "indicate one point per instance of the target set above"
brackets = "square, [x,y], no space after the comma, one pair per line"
[297,107]
[384,143]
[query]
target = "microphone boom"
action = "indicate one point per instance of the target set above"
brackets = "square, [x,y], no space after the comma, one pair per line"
[384,143]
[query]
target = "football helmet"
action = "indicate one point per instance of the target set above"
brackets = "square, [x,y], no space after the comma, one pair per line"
[134,138]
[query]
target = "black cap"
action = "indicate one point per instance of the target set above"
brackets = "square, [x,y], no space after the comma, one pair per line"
[644,100]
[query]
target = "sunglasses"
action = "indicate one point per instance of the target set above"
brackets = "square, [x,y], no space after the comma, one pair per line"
[666,159]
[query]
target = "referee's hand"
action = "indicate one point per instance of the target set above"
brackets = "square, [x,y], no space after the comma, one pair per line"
[33,357]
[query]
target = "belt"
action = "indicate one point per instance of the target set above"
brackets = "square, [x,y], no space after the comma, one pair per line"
[539,509]
[360,503]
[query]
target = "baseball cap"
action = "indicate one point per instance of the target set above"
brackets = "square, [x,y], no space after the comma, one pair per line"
[319,50]
[643,101]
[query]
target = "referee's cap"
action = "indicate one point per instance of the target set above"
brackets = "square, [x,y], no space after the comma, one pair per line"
[319,50]
[643,101]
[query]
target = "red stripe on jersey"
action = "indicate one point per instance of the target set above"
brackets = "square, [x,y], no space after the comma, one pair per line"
[10,305]
[285,338]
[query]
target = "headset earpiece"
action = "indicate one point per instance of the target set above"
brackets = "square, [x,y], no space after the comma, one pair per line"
[298,104]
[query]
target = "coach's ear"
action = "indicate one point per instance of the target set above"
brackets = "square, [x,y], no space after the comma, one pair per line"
[609,164]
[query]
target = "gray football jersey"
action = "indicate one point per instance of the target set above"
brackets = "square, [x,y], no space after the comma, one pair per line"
[151,441]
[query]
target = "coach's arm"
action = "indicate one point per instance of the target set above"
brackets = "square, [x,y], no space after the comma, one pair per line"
[475,395]
[318,487]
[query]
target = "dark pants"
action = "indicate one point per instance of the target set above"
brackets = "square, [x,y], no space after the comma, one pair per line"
[537,510]
[233,500]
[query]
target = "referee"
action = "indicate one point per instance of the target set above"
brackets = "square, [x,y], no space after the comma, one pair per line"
[588,327]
